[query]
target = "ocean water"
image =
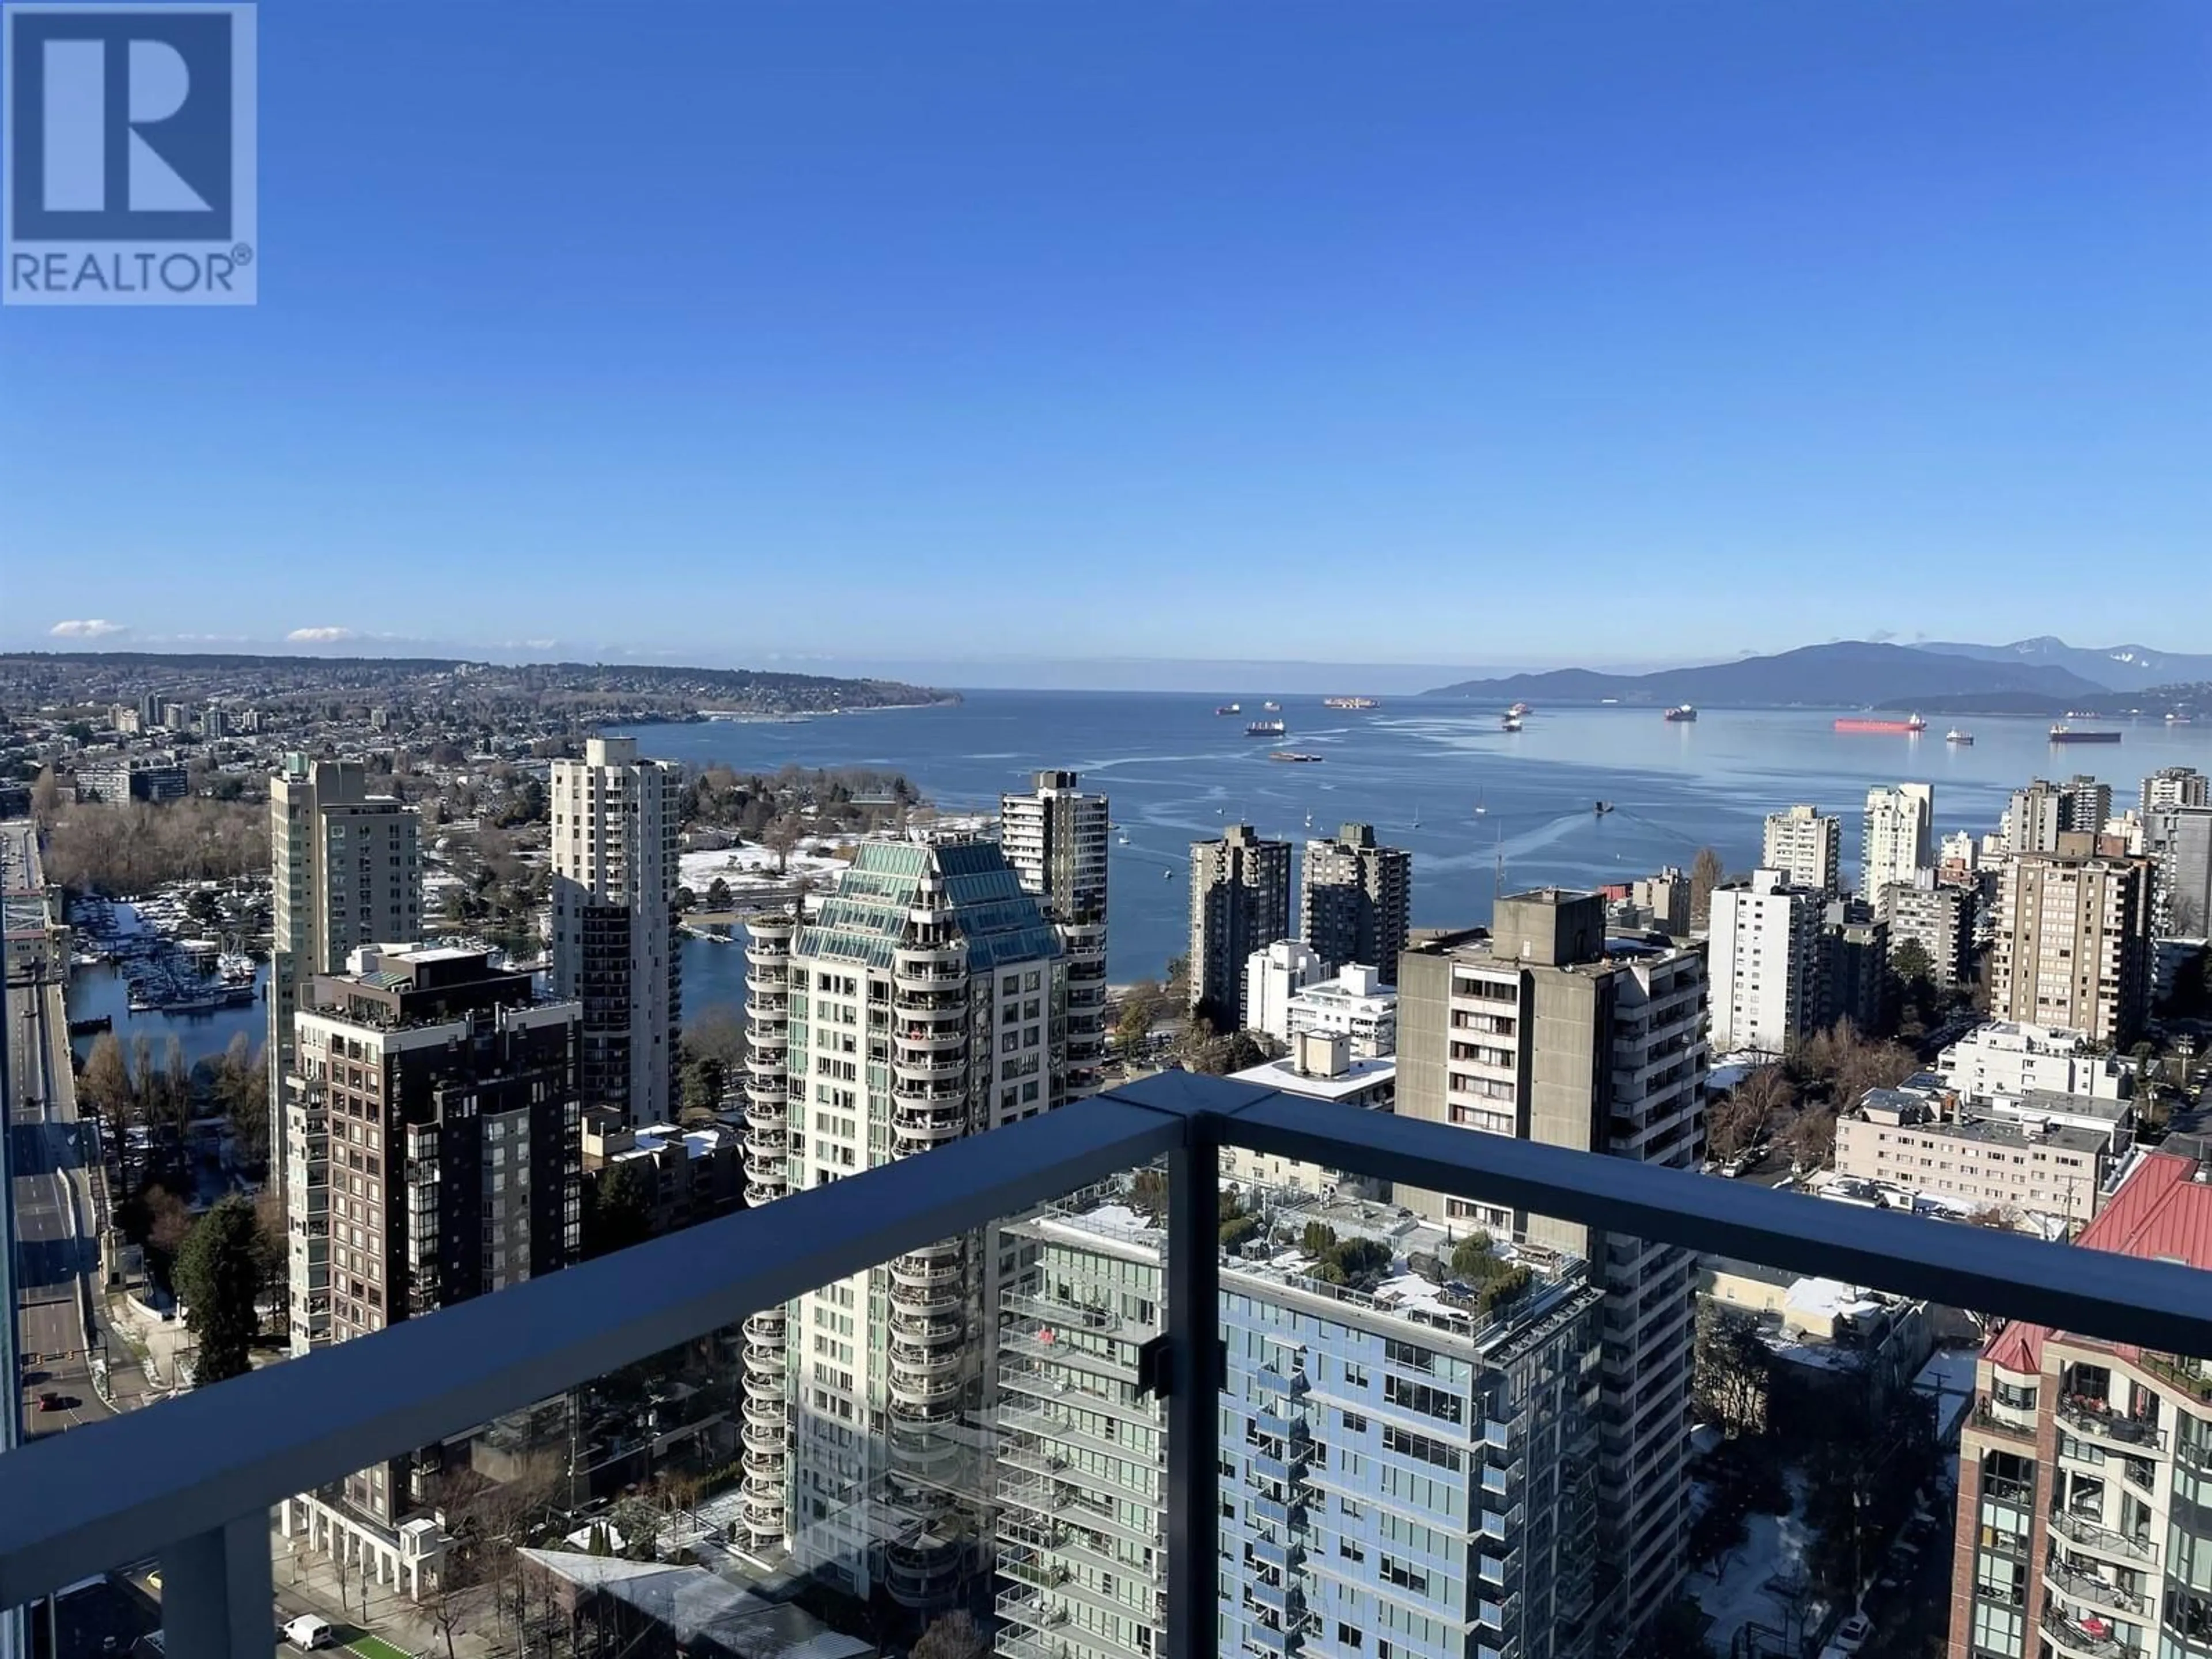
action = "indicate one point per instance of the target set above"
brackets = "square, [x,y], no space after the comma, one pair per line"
[1442,779]
[1419,771]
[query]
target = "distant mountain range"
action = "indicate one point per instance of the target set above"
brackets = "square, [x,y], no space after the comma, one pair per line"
[1849,674]
[2115,667]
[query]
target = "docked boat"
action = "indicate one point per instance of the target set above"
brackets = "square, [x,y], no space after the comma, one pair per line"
[1293,756]
[1964,739]
[1350,702]
[1230,709]
[1265,729]
[1682,712]
[1855,723]
[2063,733]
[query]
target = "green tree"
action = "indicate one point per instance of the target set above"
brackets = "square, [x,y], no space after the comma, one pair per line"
[620,1214]
[1472,1259]
[1319,1238]
[1508,1285]
[717,1032]
[702,1081]
[218,1275]
[1912,965]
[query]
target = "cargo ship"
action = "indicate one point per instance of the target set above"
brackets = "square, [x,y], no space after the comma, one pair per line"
[2063,733]
[1351,702]
[1682,711]
[1230,709]
[1265,729]
[1855,724]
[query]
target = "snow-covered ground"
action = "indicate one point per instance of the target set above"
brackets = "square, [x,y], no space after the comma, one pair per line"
[1754,1582]
[753,867]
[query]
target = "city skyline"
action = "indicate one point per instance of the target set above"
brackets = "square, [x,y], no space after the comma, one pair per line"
[1489,305]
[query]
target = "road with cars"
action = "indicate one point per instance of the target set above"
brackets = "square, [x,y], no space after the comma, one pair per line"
[56,1260]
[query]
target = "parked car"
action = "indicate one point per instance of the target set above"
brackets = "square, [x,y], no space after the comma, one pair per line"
[309,1632]
[1852,1634]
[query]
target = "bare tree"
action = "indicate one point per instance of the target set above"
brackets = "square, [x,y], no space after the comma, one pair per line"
[784,832]
[1706,872]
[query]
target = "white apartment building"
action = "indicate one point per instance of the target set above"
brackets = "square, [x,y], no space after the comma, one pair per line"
[1897,836]
[1764,944]
[915,1008]
[1355,1005]
[2005,1060]
[1272,976]
[1054,838]
[613,937]
[1806,846]
[1320,1067]
[2175,786]
[347,873]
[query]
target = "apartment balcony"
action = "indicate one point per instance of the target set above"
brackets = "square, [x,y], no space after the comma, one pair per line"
[2079,1586]
[947,1035]
[191,1481]
[2101,1540]
[2089,1638]
[914,1064]
[924,1131]
[2094,1418]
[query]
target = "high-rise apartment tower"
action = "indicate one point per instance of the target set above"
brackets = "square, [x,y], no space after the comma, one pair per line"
[613,937]
[1898,840]
[348,873]
[1544,1030]
[1240,903]
[1806,846]
[1355,900]
[915,1008]
[1056,838]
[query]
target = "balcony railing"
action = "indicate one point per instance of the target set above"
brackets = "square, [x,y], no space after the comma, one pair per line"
[193,1480]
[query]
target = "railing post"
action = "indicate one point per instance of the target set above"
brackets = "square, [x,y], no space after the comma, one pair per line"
[1193,1413]
[217,1596]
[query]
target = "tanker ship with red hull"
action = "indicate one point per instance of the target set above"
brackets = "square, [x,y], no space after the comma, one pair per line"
[1853,723]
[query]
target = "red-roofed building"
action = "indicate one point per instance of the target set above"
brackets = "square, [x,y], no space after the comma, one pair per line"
[2084,1469]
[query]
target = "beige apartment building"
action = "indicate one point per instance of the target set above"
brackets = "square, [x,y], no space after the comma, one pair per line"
[2073,941]
[2027,1163]
[347,873]
[613,937]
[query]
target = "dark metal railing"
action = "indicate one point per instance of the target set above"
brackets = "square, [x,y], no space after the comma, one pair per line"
[192,1480]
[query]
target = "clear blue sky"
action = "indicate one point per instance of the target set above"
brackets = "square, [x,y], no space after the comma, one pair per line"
[1477,333]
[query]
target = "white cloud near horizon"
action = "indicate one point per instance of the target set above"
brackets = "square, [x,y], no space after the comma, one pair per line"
[89,628]
[318,636]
